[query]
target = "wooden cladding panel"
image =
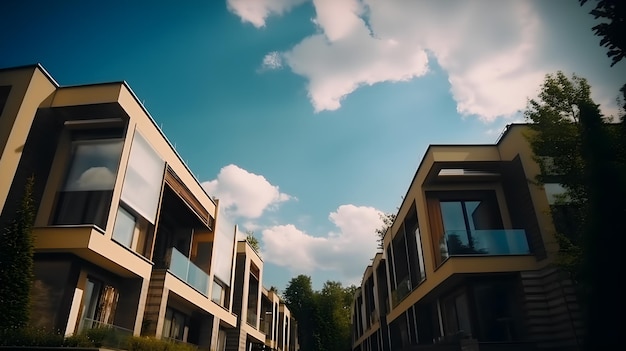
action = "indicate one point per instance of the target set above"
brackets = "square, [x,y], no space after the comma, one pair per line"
[174,182]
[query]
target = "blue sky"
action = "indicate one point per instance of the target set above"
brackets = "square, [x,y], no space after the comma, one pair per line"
[309,118]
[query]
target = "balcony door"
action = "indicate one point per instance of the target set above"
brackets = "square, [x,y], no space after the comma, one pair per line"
[99,304]
[462,219]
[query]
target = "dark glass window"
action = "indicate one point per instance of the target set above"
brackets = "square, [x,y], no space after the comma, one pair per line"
[463,218]
[99,305]
[85,197]
[174,325]
[495,305]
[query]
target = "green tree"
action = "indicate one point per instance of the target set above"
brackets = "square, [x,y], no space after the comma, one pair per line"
[577,147]
[558,150]
[334,320]
[387,219]
[16,264]
[252,240]
[323,316]
[299,297]
[612,28]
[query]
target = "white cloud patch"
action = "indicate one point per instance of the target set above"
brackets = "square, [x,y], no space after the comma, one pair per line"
[346,55]
[257,11]
[272,61]
[347,250]
[243,193]
[492,61]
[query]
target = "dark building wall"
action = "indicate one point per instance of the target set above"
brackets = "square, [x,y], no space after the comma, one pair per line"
[521,207]
[235,338]
[53,289]
[552,313]
[36,160]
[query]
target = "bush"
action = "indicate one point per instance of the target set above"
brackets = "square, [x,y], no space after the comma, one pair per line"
[96,337]
[136,343]
[16,262]
[77,340]
[30,337]
[106,336]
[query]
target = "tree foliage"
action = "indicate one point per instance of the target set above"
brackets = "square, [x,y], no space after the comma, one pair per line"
[576,146]
[557,147]
[252,240]
[612,28]
[388,219]
[16,264]
[323,316]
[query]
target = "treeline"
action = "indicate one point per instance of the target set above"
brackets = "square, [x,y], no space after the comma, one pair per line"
[323,316]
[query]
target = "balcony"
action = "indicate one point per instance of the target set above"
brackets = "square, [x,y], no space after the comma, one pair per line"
[492,242]
[180,266]
[403,289]
[251,319]
[104,334]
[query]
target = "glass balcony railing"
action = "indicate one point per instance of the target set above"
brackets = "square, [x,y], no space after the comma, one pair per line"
[105,335]
[490,242]
[187,271]
[403,289]
[252,316]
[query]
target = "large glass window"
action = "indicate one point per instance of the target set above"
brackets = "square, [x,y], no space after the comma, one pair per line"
[124,229]
[140,196]
[221,340]
[223,253]
[408,259]
[253,297]
[85,197]
[497,311]
[144,176]
[175,325]
[218,293]
[99,305]
[456,319]
[464,220]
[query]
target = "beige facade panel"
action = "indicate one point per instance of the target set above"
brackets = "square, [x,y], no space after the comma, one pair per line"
[29,88]
[87,95]
[89,243]
[145,125]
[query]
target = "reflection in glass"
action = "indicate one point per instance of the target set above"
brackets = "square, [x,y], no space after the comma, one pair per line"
[475,228]
[454,220]
[142,182]
[124,228]
[86,194]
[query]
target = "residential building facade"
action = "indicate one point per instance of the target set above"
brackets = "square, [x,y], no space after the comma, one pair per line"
[469,261]
[125,236]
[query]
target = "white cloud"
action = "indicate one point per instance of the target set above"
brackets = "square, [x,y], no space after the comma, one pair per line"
[272,61]
[257,11]
[346,251]
[243,193]
[346,55]
[492,60]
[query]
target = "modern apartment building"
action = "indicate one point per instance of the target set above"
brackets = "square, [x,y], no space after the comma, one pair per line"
[469,262]
[125,236]
[265,323]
